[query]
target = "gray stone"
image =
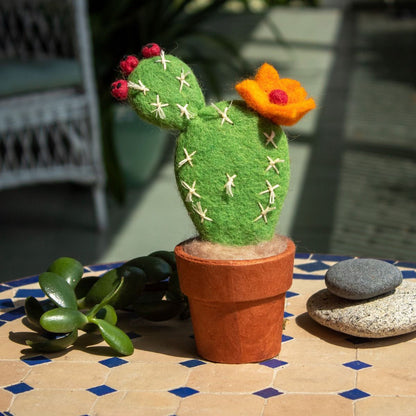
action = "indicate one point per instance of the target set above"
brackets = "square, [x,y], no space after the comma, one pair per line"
[358,279]
[383,316]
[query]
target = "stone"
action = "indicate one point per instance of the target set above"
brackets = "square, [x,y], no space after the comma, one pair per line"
[383,316]
[359,279]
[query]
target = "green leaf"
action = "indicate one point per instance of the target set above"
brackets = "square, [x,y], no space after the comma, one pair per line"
[133,285]
[70,269]
[156,269]
[108,313]
[149,297]
[43,344]
[106,301]
[159,311]
[174,292]
[106,284]
[58,290]
[34,311]
[62,320]
[84,285]
[115,337]
[168,256]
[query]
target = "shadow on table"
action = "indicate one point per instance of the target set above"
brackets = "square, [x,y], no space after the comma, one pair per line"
[173,338]
[85,342]
[348,341]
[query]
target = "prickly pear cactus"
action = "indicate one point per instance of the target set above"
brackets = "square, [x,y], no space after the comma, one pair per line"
[231,163]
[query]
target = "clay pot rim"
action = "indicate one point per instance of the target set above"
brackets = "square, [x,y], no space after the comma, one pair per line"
[234,263]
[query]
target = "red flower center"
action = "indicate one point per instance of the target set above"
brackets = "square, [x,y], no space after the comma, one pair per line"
[278,97]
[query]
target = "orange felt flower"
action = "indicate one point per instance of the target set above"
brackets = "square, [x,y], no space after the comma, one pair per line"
[284,101]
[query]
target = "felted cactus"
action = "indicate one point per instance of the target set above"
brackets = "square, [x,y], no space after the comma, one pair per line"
[231,163]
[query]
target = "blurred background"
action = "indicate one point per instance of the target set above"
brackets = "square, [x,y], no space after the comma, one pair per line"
[82,176]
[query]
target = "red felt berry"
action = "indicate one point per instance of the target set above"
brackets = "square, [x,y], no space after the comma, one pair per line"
[127,64]
[278,97]
[151,49]
[119,89]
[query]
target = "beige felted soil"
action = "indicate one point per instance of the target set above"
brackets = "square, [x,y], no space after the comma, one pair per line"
[214,251]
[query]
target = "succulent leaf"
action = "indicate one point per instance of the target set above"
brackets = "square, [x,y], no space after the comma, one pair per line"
[34,310]
[155,268]
[42,344]
[58,290]
[114,337]
[68,268]
[134,282]
[63,320]
[107,313]
[159,311]
[168,256]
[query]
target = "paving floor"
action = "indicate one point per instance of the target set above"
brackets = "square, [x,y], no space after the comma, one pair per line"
[353,159]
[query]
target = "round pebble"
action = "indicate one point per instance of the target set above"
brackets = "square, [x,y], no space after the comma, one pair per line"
[383,316]
[359,279]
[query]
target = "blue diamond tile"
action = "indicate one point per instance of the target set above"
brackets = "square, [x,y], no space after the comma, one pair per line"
[113,362]
[354,394]
[192,363]
[305,276]
[5,414]
[267,393]
[357,365]
[286,338]
[302,255]
[101,390]
[409,274]
[18,388]
[24,293]
[183,392]
[273,363]
[96,268]
[2,323]
[406,264]
[330,257]
[313,267]
[133,335]
[24,282]
[38,359]
[287,315]
[13,314]
[290,294]
[4,288]
[103,267]
[389,261]
[6,303]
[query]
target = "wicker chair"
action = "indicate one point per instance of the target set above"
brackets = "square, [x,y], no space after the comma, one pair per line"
[49,119]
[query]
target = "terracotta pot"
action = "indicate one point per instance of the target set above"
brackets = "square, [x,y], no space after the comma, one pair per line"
[236,305]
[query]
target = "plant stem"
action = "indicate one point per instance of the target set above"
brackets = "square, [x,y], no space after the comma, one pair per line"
[105,301]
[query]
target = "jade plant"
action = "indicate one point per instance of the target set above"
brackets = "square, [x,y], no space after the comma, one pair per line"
[148,286]
[231,162]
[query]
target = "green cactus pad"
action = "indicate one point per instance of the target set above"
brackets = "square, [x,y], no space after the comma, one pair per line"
[231,164]
[167,83]
[212,148]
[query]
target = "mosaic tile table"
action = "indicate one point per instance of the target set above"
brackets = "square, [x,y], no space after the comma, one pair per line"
[318,372]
